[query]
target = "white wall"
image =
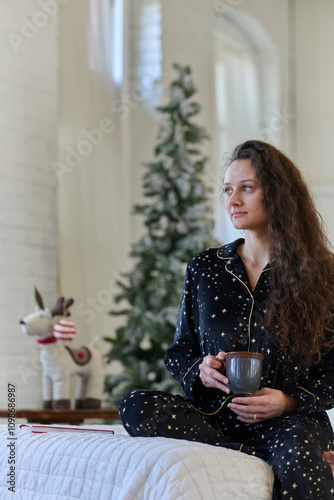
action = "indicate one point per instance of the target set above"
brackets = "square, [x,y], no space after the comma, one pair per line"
[28,218]
[314,42]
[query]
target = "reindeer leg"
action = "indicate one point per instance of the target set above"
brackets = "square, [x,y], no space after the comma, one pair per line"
[95,384]
[92,404]
[61,394]
[80,392]
[47,392]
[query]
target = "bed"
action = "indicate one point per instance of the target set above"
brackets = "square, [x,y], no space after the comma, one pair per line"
[103,466]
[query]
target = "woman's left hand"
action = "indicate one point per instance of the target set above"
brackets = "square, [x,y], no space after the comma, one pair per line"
[264,404]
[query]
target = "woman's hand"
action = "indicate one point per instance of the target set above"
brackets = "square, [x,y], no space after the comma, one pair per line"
[264,404]
[211,372]
[329,457]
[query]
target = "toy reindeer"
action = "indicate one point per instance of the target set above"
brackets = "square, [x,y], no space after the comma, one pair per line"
[60,362]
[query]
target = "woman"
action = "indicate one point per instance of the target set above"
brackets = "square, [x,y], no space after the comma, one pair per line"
[271,292]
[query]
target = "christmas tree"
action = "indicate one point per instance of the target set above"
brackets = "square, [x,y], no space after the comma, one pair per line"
[177,227]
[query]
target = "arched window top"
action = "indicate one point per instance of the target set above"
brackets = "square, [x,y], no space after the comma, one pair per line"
[247,77]
[245,30]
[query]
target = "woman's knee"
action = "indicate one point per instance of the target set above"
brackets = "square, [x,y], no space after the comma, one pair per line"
[131,405]
[141,411]
[297,447]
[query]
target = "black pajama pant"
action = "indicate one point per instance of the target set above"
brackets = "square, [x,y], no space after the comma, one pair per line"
[291,444]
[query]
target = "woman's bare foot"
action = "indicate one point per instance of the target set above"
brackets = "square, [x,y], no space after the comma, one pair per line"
[329,457]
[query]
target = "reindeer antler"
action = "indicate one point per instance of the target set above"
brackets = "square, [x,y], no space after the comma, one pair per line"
[58,309]
[61,307]
[39,299]
[68,304]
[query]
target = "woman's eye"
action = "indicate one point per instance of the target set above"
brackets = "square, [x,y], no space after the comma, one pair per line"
[247,188]
[227,191]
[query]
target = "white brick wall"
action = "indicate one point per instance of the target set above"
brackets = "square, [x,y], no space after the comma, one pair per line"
[28,223]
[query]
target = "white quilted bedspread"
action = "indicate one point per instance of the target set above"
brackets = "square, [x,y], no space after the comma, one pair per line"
[97,466]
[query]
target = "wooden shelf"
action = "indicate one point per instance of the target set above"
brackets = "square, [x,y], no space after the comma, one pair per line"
[65,416]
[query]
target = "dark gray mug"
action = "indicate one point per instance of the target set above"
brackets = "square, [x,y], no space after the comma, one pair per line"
[244,371]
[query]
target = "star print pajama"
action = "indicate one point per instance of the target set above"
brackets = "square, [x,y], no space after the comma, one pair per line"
[291,444]
[220,312]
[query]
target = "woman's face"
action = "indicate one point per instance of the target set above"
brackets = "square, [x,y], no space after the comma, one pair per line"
[244,196]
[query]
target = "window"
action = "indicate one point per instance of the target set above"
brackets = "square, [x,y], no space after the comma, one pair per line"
[117,41]
[247,92]
[145,53]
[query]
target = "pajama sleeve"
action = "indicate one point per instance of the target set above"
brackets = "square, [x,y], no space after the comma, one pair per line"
[184,356]
[316,393]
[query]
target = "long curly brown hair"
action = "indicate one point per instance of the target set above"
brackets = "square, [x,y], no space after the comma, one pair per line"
[301,301]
